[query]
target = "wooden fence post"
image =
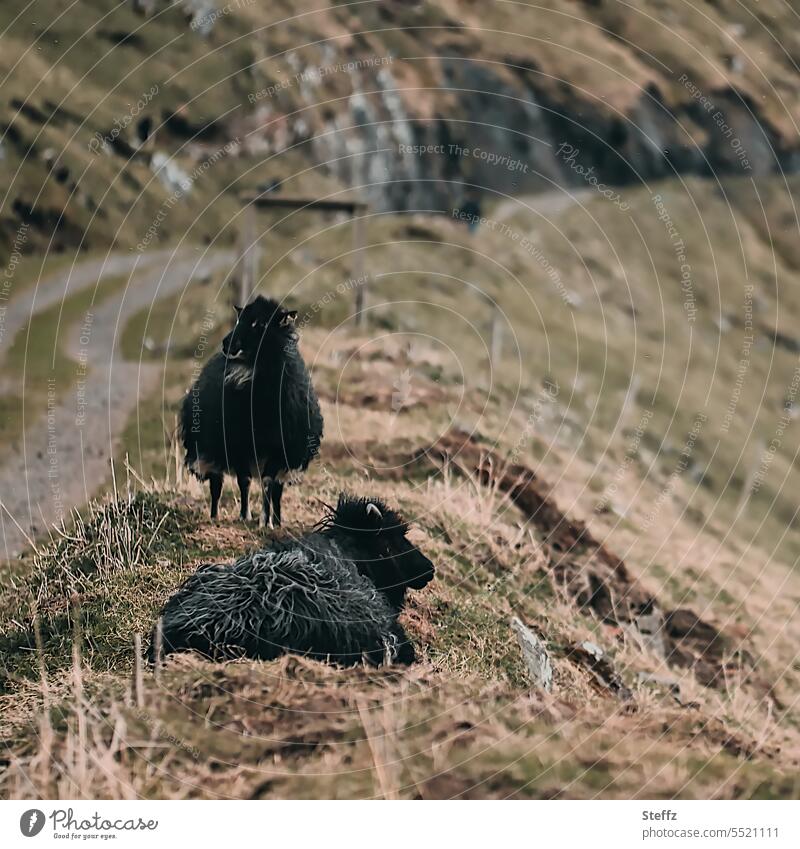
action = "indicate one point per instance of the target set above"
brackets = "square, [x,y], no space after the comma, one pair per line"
[246,273]
[251,261]
[496,343]
[358,267]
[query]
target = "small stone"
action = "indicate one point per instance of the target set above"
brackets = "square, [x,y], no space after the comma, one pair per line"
[535,654]
[593,649]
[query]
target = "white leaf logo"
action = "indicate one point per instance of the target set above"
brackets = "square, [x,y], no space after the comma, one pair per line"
[31,822]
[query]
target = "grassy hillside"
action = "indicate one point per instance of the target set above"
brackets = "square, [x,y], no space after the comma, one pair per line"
[96,97]
[464,722]
[622,478]
[704,709]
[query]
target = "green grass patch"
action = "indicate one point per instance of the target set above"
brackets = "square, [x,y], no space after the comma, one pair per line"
[148,330]
[37,359]
[103,580]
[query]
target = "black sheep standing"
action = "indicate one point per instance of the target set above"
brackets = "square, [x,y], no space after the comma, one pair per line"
[333,594]
[253,412]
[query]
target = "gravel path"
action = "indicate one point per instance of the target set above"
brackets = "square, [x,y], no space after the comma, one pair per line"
[64,456]
[54,289]
[548,204]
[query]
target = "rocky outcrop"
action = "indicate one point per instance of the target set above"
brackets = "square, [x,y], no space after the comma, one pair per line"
[416,105]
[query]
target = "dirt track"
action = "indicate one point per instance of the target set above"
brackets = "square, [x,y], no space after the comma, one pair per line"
[547,204]
[64,456]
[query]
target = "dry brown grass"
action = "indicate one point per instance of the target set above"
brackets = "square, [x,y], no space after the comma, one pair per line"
[296,728]
[462,723]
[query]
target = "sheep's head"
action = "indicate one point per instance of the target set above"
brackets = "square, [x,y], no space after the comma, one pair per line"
[260,327]
[384,554]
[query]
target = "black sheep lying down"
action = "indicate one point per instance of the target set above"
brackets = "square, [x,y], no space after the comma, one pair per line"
[333,594]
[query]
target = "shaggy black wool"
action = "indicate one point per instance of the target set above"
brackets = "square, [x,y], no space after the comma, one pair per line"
[252,411]
[333,594]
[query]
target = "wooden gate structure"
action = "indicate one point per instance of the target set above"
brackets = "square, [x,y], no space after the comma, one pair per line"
[244,279]
[246,276]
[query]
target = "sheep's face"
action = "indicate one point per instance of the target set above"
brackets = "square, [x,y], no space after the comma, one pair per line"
[260,326]
[385,555]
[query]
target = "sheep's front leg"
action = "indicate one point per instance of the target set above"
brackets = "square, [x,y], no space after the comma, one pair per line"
[244,495]
[276,493]
[266,517]
[215,485]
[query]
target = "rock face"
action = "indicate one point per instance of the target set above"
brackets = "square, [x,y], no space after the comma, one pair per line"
[507,136]
[417,105]
[488,104]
